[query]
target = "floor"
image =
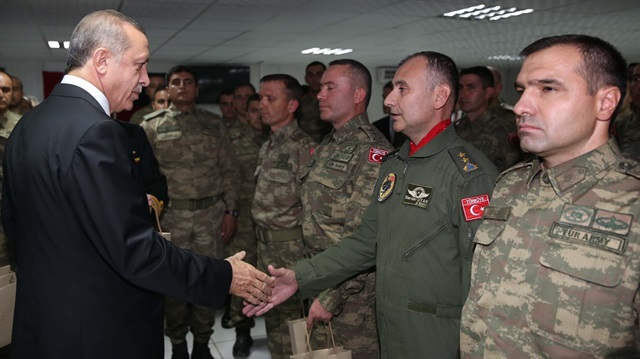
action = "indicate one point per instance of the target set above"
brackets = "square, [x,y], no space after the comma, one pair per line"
[221,343]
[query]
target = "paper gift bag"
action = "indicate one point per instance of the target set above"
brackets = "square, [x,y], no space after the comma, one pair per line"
[298,334]
[330,353]
[156,209]
[7,304]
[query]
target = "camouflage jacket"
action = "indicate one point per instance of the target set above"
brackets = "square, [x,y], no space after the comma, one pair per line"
[556,269]
[277,204]
[7,122]
[195,153]
[139,116]
[309,120]
[495,134]
[246,146]
[628,133]
[337,190]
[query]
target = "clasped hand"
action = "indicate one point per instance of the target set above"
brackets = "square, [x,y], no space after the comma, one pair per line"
[248,282]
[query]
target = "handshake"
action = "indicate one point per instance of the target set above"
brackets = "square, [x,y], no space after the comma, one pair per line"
[260,291]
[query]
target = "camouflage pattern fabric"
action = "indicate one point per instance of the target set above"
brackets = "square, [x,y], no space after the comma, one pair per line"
[7,248]
[138,116]
[495,134]
[277,206]
[335,193]
[195,153]
[246,149]
[628,133]
[197,231]
[309,119]
[556,269]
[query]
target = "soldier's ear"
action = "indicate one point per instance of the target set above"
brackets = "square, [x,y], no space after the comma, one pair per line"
[607,99]
[359,95]
[292,106]
[441,96]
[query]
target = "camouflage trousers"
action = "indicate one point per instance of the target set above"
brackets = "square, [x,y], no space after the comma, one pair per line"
[281,254]
[243,240]
[355,327]
[198,231]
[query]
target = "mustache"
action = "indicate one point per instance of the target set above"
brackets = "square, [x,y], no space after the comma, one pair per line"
[138,89]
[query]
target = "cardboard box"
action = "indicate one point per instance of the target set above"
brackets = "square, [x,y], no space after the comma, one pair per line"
[7,304]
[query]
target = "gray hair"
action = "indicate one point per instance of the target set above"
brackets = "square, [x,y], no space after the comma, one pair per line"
[102,28]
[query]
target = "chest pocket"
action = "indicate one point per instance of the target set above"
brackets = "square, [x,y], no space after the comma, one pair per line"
[168,132]
[580,286]
[332,179]
[482,261]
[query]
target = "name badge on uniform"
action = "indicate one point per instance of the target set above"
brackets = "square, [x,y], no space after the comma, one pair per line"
[387,187]
[595,227]
[418,196]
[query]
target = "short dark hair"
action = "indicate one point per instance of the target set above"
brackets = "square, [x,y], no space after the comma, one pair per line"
[245,84]
[359,75]
[388,85]
[441,70]
[227,91]
[161,87]
[180,68]
[293,88]
[485,75]
[602,64]
[314,63]
[254,97]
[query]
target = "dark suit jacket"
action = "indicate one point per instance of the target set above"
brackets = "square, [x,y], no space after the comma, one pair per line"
[153,180]
[383,125]
[91,272]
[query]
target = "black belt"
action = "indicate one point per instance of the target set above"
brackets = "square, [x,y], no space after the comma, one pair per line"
[194,204]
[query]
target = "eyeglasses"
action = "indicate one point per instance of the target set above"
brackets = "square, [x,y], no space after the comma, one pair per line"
[5,89]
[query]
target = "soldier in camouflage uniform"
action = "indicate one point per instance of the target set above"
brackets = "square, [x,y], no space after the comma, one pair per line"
[277,207]
[241,94]
[194,151]
[627,124]
[487,125]
[309,118]
[8,121]
[335,193]
[246,148]
[556,271]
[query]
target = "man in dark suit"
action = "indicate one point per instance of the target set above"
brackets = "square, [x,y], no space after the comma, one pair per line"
[385,124]
[92,273]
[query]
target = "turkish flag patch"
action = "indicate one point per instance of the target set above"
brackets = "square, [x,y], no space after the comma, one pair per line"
[376,154]
[473,207]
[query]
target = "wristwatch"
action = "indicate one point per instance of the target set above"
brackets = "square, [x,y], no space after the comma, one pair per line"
[234,213]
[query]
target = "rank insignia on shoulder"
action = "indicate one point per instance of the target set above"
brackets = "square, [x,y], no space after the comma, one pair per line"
[154,114]
[387,187]
[463,160]
[473,207]
[376,155]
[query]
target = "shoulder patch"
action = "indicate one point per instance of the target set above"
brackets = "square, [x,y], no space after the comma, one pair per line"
[154,114]
[390,155]
[302,137]
[628,167]
[463,160]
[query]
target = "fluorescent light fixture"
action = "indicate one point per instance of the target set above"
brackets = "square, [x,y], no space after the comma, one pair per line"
[505,57]
[53,44]
[65,44]
[325,51]
[480,12]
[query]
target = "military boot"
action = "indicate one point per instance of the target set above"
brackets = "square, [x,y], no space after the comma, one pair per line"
[179,351]
[242,346]
[201,351]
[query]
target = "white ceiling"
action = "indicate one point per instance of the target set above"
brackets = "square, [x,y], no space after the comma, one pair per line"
[381,32]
